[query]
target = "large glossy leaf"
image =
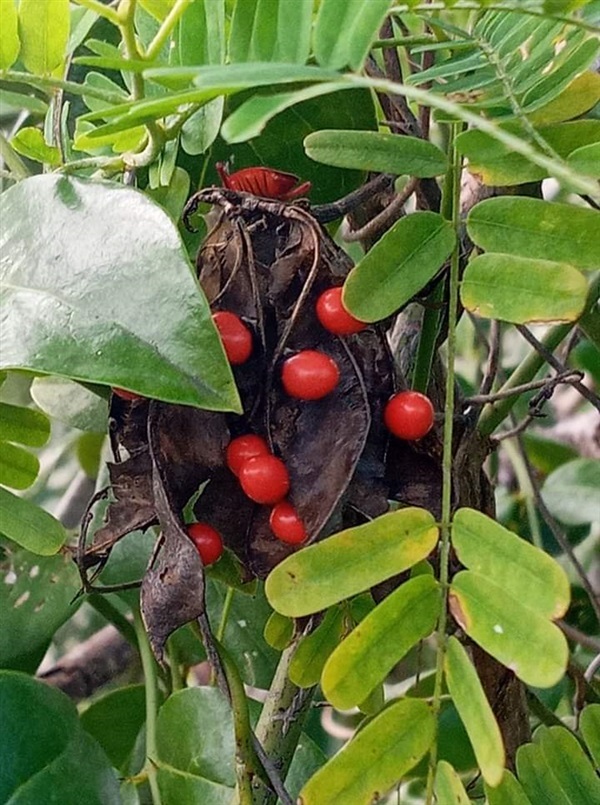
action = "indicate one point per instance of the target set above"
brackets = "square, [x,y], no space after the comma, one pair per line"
[572,492]
[376,151]
[497,164]
[377,643]
[475,712]
[125,706]
[406,258]
[522,290]
[448,786]
[196,748]
[103,308]
[351,562]
[519,638]
[23,425]
[523,571]
[28,525]
[530,227]
[9,37]
[36,597]
[344,30]
[45,753]
[589,723]
[509,792]
[377,757]
[71,403]
[44,31]
[554,768]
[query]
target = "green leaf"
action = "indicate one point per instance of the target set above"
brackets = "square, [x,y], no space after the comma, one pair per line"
[44,29]
[475,712]
[30,143]
[89,452]
[279,631]
[377,757]
[36,598]
[271,30]
[586,160]
[103,309]
[201,129]
[376,151]
[580,96]
[589,724]
[364,659]
[126,707]
[497,164]
[552,84]
[314,649]
[196,748]
[571,492]
[250,119]
[556,766]
[351,562]
[28,525]
[45,751]
[523,571]
[345,29]
[23,425]
[448,786]
[9,36]
[16,101]
[399,265]
[532,647]
[71,403]
[223,79]
[521,290]
[509,792]
[18,467]
[530,227]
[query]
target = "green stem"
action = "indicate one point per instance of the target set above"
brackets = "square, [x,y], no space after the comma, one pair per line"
[446,463]
[151,688]
[225,614]
[126,15]
[526,491]
[12,159]
[48,84]
[99,8]
[495,413]
[110,613]
[163,33]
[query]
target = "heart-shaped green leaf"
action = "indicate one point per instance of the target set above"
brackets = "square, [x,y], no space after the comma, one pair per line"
[351,562]
[119,306]
[406,258]
[521,290]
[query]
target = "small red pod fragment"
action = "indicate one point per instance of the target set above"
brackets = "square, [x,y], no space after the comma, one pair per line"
[309,375]
[264,479]
[126,395]
[409,415]
[264,182]
[207,540]
[286,525]
[333,315]
[236,337]
[242,448]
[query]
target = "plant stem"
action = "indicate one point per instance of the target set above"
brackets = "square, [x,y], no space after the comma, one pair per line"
[109,611]
[167,25]
[446,463]
[99,8]
[151,688]
[493,415]
[225,614]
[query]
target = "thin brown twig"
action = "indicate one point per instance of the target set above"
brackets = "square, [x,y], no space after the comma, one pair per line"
[552,361]
[491,369]
[386,217]
[579,637]
[569,376]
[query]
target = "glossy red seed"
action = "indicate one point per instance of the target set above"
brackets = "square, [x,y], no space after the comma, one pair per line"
[207,540]
[236,337]
[409,415]
[333,315]
[244,447]
[286,525]
[309,375]
[126,395]
[264,479]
